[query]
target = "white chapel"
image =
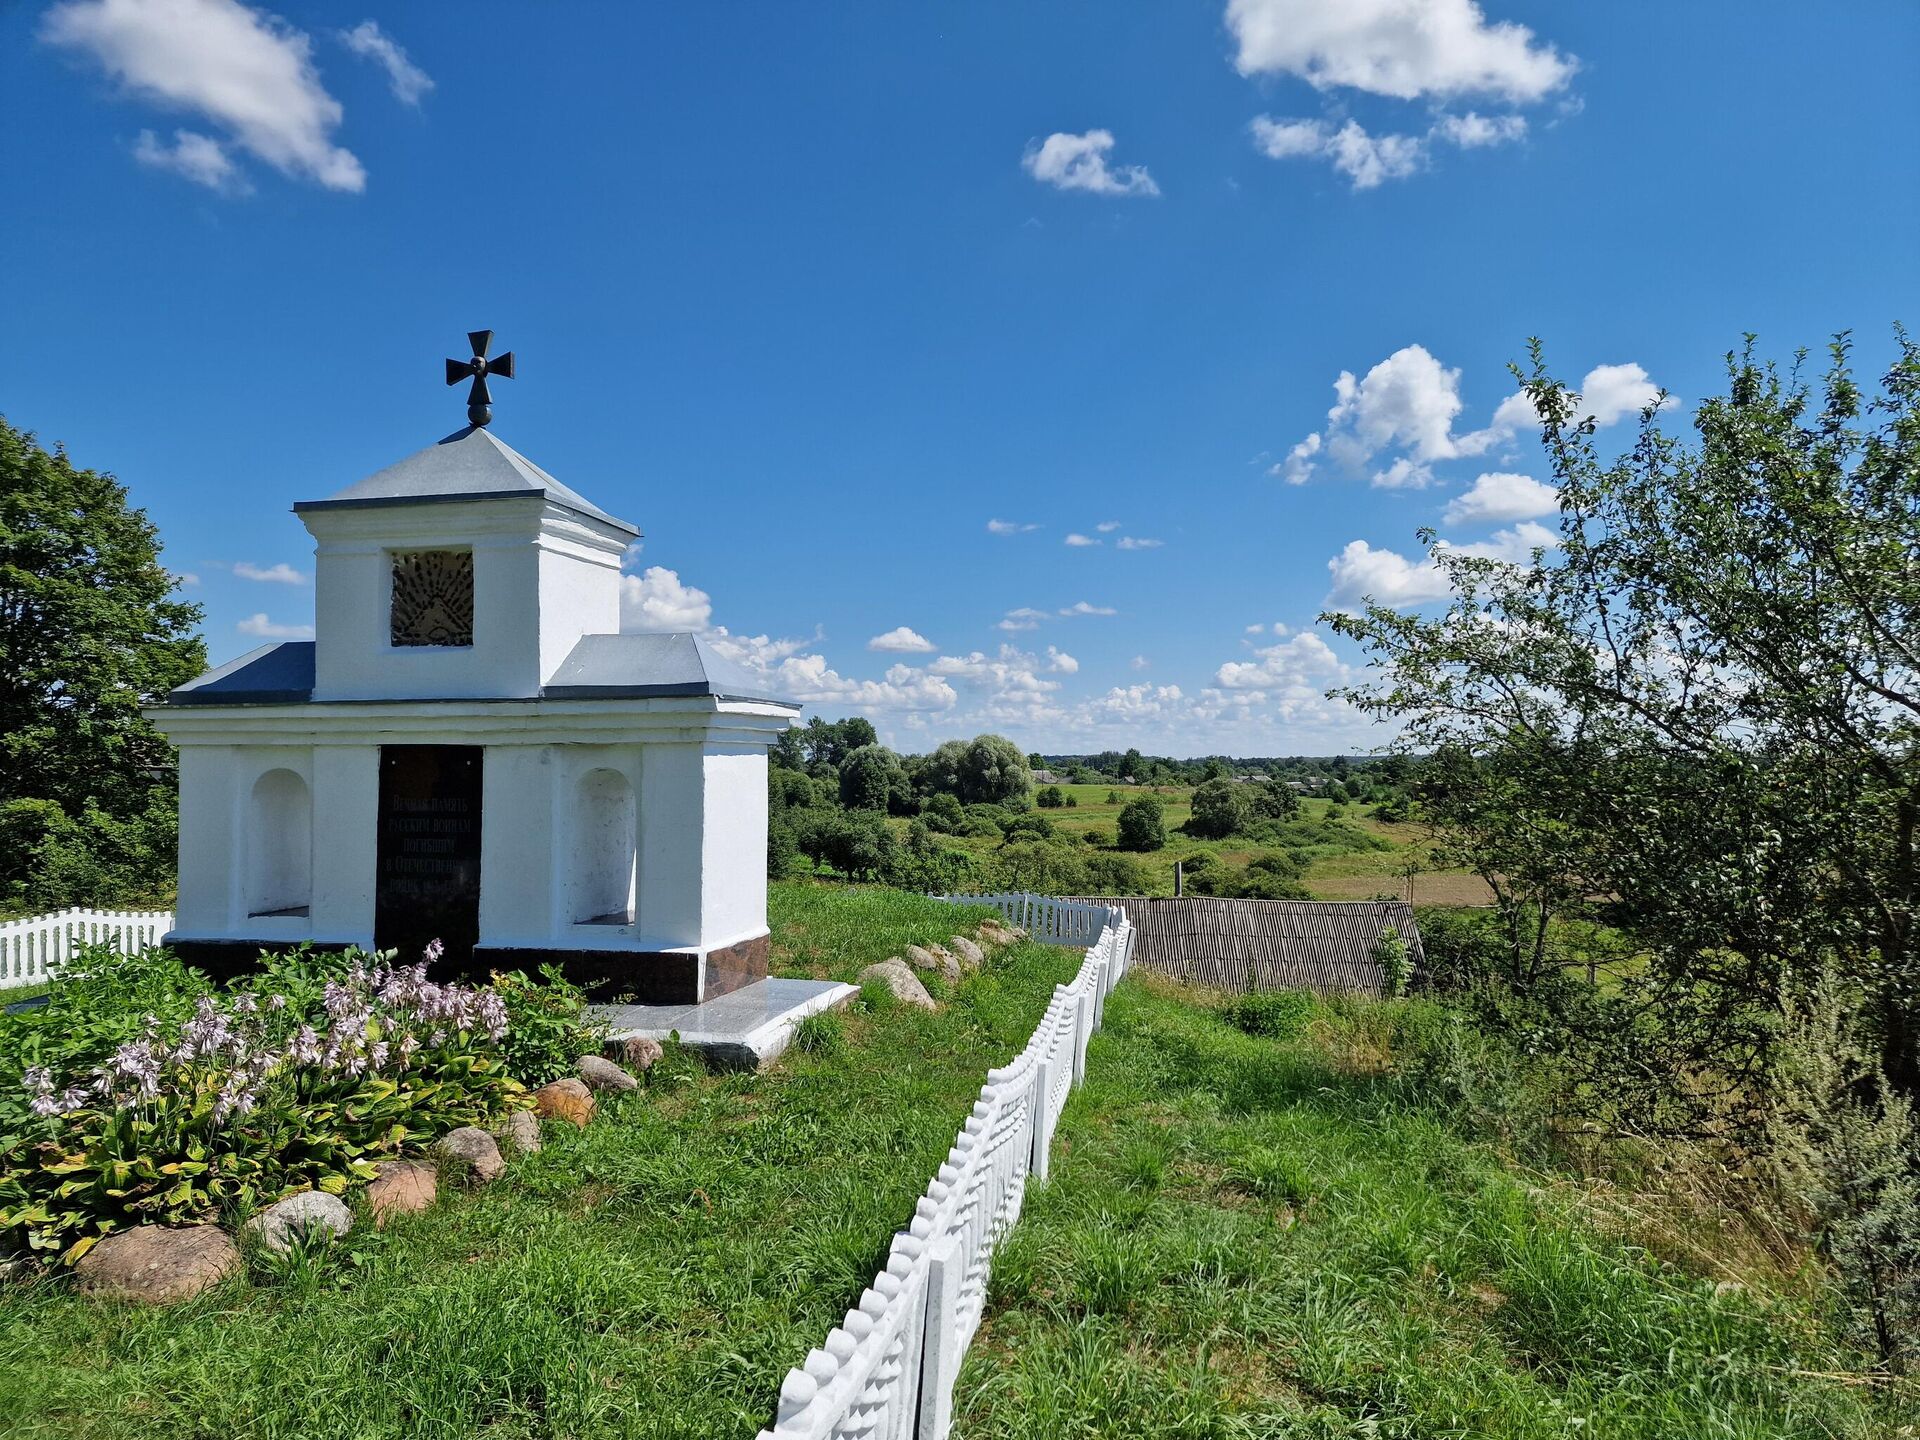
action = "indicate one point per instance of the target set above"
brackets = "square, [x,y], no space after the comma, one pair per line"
[470,751]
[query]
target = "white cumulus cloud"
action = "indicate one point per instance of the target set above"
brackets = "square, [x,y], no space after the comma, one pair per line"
[1361,572]
[407,80]
[280,574]
[902,641]
[1009,527]
[258,624]
[1300,667]
[1500,495]
[657,600]
[1078,540]
[1024,618]
[1082,607]
[1137,542]
[245,71]
[1407,49]
[1079,162]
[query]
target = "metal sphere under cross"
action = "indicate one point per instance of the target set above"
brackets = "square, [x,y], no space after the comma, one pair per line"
[479,399]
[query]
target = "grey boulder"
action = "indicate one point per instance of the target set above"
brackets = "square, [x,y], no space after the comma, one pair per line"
[310,1214]
[521,1130]
[970,955]
[602,1074]
[474,1152]
[932,957]
[902,982]
[640,1052]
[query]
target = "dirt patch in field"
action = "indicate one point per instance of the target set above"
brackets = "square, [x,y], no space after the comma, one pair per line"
[1444,889]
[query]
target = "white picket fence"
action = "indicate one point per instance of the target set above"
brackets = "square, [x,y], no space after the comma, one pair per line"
[887,1371]
[32,950]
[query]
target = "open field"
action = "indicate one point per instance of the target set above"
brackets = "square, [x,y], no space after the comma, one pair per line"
[1351,855]
[652,1275]
[1245,1238]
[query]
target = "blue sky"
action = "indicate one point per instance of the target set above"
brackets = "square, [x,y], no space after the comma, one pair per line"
[815,295]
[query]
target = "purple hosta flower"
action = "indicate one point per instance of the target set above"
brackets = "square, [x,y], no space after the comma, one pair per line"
[435,949]
[47,1102]
[490,1011]
[277,1001]
[340,1000]
[405,1046]
[133,1073]
[246,1005]
[207,1034]
[304,1048]
[377,1054]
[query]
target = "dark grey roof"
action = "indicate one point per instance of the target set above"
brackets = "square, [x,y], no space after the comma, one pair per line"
[610,665]
[470,464]
[280,674]
[600,667]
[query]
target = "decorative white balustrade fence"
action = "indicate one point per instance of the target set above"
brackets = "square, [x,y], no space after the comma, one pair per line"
[32,949]
[888,1370]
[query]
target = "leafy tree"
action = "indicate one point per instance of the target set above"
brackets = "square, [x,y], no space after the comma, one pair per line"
[1705,705]
[1270,801]
[1142,825]
[90,632]
[994,772]
[1050,798]
[790,750]
[1219,809]
[872,778]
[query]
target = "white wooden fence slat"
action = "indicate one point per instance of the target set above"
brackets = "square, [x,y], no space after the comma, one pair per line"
[33,950]
[888,1370]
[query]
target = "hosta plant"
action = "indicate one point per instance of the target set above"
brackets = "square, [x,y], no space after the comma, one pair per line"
[256,1094]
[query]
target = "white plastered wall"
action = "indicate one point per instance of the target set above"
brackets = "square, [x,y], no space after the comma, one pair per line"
[542,578]
[733,851]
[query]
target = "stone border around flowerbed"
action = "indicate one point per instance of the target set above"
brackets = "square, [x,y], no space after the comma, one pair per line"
[165,1264]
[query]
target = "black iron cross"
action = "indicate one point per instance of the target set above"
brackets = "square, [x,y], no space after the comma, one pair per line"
[479,401]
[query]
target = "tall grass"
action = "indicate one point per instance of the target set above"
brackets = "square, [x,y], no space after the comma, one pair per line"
[1245,1236]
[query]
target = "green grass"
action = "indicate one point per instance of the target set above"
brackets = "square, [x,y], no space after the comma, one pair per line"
[653,1275]
[832,932]
[1243,1239]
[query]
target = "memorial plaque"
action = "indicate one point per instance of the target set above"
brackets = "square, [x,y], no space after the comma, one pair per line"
[427,883]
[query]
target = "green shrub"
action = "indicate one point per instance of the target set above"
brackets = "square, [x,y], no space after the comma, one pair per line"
[1220,808]
[1272,1014]
[1395,960]
[1143,825]
[549,1026]
[1051,798]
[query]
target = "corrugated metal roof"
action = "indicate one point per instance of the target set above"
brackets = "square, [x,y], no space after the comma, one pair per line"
[1320,945]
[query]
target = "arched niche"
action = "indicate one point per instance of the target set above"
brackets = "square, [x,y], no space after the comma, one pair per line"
[606,850]
[279,847]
